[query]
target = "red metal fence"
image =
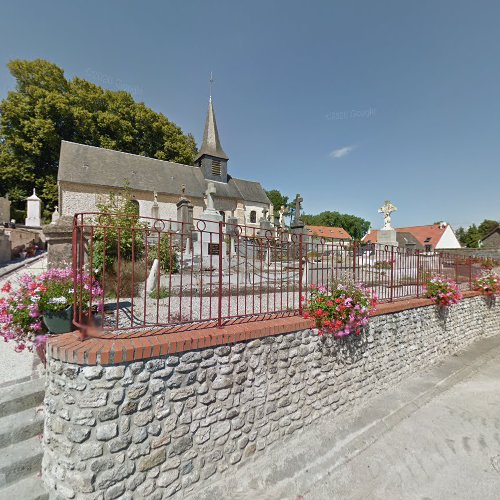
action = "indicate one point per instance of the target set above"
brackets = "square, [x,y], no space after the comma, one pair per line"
[211,273]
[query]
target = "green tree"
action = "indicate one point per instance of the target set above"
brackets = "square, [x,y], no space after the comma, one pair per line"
[46,107]
[472,237]
[461,233]
[486,227]
[355,226]
[278,200]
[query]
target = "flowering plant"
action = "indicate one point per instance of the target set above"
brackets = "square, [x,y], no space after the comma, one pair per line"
[51,291]
[443,291]
[488,283]
[342,310]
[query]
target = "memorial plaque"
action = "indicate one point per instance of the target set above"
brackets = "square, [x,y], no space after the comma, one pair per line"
[213,249]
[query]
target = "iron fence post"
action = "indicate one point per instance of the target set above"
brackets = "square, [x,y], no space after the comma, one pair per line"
[74,256]
[354,261]
[219,310]
[470,273]
[418,273]
[300,273]
[392,275]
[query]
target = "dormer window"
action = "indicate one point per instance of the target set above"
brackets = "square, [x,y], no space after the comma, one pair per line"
[216,168]
[427,240]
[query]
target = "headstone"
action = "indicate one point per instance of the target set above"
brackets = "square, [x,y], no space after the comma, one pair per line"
[297,223]
[239,213]
[34,209]
[265,225]
[209,244]
[59,237]
[5,247]
[152,280]
[4,210]
[387,235]
[155,209]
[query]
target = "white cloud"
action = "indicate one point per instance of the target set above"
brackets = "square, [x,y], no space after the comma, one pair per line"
[341,152]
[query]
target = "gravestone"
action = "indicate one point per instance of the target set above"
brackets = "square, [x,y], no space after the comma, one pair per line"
[4,210]
[34,211]
[265,226]
[5,247]
[155,208]
[387,235]
[209,244]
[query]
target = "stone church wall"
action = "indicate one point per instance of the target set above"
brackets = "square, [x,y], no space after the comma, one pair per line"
[158,428]
[77,198]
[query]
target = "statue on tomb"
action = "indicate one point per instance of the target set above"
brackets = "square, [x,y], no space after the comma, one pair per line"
[283,211]
[387,209]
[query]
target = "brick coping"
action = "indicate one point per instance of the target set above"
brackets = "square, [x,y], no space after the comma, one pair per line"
[70,347]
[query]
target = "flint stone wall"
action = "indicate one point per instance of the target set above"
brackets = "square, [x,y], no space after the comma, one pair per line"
[160,428]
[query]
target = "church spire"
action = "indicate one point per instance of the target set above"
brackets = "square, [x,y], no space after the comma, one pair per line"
[211,143]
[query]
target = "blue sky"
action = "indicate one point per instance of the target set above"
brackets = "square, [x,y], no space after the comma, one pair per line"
[347,102]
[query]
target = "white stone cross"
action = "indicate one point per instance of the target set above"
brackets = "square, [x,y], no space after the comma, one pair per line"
[208,193]
[387,209]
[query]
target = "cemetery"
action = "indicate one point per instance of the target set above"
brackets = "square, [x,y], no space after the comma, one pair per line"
[206,271]
[184,332]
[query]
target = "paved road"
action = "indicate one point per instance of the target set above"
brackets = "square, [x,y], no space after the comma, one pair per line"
[436,436]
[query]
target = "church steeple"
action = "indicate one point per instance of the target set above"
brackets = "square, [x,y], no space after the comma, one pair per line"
[211,142]
[212,159]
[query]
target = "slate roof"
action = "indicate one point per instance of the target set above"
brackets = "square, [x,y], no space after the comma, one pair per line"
[328,232]
[425,235]
[84,164]
[493,231]
[211,142]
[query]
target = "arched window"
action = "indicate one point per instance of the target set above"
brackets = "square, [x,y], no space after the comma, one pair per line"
[253,216]
[135,204]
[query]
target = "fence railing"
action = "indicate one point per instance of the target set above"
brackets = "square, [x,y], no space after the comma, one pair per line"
[174,275]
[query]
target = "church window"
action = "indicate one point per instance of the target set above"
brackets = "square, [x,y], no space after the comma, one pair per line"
[253,216]
[135,204]
[216,167]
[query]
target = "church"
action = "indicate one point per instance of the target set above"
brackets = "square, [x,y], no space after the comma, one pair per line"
[88,174]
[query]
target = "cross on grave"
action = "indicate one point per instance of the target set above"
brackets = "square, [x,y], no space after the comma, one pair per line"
[387,209]
[298,201]
[208,193]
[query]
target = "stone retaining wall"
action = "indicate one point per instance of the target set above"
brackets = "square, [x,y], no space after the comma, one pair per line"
[156,428]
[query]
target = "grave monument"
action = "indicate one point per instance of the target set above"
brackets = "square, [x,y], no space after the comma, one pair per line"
[34,211]
[387,235]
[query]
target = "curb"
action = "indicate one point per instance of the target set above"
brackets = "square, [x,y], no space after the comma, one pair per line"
[295,474]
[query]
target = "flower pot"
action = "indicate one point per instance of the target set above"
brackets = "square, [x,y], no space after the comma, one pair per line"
[60,321]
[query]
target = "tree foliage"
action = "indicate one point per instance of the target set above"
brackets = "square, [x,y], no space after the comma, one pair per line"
[46,107]
[471,236]
[355,226]
[277,199]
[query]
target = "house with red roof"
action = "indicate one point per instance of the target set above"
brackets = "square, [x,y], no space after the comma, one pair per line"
[331,234]
[428,238]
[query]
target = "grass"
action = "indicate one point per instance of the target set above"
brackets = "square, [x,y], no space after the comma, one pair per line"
[163,293]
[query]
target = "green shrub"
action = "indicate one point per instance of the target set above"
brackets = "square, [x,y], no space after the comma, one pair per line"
[169,262]
[115,235]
